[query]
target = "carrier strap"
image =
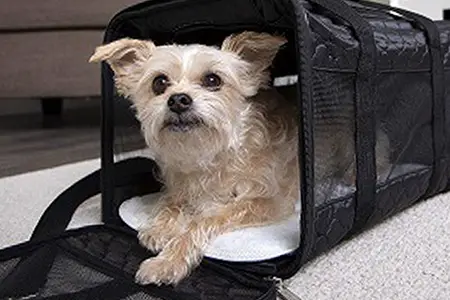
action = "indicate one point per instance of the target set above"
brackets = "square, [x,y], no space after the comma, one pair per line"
[305,136]
[364,119]
[438,93]
[364,109]
[57,216]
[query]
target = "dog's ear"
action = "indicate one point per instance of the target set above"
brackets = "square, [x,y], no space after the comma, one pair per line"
[125,57]
[259,49]
[123,54]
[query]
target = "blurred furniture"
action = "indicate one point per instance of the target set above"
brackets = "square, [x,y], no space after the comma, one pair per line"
[45,47]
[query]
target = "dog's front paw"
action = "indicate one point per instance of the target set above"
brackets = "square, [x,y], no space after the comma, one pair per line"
[154,240]
[159,270]
[166,225]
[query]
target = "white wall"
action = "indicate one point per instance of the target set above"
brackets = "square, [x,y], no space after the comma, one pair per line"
[432,9]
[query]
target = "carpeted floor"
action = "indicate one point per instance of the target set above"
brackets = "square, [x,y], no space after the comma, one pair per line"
[405,258]
[24,198]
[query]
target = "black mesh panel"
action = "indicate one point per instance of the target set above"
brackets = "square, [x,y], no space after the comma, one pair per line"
[97,263]
[67,276]
[334,159]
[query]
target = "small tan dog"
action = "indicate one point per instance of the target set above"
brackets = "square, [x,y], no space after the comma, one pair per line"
[225,141]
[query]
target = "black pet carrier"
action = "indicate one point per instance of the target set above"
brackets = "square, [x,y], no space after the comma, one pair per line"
[371,66]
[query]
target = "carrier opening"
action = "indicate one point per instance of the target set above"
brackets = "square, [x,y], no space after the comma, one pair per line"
[253,244]
[211,29]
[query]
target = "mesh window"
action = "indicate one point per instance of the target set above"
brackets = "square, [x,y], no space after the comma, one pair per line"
[68,276]
[98,264]
[403,130]
[58,278]
[405,112]
[333,129]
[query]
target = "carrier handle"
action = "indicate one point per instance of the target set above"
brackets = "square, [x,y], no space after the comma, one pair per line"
[127,172]
[438,80]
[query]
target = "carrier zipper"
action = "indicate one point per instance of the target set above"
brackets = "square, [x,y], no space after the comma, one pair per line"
[283,292]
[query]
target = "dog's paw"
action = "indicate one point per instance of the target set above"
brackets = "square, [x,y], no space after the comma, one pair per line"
[158,270]
[153,240]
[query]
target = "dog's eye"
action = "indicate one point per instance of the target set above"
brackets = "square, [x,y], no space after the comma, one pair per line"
[211,81]
[160,84]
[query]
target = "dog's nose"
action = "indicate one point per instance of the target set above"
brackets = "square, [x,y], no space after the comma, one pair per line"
[179,103]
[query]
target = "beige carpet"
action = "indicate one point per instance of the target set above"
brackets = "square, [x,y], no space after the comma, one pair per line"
[23,199]
[405,258]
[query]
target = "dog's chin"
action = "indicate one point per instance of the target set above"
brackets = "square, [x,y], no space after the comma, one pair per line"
[182,123]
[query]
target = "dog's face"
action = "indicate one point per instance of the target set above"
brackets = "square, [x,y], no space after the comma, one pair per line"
[191,100]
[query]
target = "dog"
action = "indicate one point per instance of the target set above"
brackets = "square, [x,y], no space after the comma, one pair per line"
[225,140]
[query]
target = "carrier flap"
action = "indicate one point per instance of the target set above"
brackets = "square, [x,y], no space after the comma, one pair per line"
[99,262]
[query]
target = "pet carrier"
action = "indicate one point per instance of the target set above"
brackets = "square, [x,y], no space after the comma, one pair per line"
[370,67]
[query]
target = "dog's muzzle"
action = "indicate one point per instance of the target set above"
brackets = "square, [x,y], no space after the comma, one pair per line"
[182,122]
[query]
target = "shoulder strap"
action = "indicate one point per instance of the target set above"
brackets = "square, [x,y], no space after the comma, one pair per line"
[127,173]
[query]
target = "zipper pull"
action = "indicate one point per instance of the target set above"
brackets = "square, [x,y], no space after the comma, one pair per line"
[283,292]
